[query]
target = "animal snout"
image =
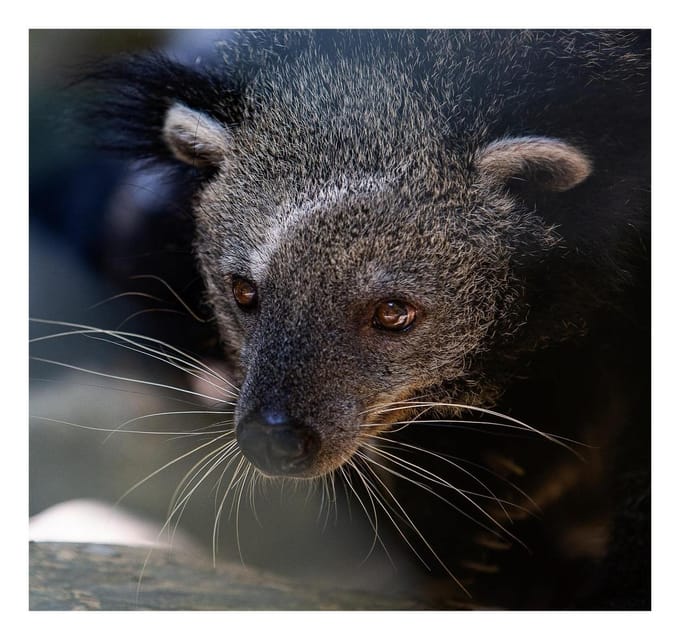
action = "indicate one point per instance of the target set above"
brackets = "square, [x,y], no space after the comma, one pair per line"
[276,444]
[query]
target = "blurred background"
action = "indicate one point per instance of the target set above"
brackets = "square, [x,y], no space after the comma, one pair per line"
[109,249]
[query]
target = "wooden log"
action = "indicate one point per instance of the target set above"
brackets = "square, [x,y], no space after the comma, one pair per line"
[85,576]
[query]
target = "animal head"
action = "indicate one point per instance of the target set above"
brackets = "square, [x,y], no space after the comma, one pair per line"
[356,254]
[347,296]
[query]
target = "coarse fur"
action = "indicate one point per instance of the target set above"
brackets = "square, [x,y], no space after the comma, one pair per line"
[497,182]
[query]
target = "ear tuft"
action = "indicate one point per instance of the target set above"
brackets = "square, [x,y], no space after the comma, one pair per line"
[547,163]
[194,137]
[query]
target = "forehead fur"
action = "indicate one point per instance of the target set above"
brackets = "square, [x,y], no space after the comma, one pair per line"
[286,218]
[363,230]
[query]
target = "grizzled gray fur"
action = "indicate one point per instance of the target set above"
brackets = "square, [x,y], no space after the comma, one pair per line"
[488,188]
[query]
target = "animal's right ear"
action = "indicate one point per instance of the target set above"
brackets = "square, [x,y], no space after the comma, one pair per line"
[194,137]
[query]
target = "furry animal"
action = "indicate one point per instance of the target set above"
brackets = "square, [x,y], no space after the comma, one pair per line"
[435,241]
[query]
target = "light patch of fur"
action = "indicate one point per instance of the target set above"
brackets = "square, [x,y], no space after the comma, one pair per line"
[564,165]
[287,217]
[194,137]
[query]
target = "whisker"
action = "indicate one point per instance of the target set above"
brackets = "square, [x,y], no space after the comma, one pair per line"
[251,496]
[465,423]
[449,459]
[407,423]
[129,431]
[247,470]
[209,430]
[404,465]
[173,292]
[124,379]
[169,464]
[138,392]
[166,524]
[324,502]
[127,336]
[218,511]
[334,496]
[369,462]
[379,408]
[195,471]
[372,521]
[235,479]
[348,483]
[170,360]
[120,427]
[559,440]
[212,461]
[141,312]
[141,294]
[387,508]
[173,413]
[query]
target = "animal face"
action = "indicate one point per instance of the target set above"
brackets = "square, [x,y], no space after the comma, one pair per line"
[352,300]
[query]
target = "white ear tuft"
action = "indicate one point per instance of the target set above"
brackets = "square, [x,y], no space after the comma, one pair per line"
[194,137]
[548,163]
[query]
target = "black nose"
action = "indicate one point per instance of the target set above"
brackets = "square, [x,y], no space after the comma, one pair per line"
[275,444]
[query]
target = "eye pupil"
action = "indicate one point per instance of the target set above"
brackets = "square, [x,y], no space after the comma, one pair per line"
[245,292]
[393,315]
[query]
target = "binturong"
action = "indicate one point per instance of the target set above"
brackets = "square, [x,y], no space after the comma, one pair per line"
[404,230]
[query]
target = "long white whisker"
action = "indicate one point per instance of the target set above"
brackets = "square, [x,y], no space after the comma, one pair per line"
[465,423]
[168,464]
[170,360]
[138,392]
[218,511]
[120,428]
[402,464]
[127,336]
[172,291]
[174,413]
[195,471]
[236,478]
[334,494]
[166,524]
[389,510]
[213,461]
[140,294]
[124,379]
[248,469]
[144,311]
[448,405]
[448,460]
[193,365]
[372,521]
[410,521]
[131,431]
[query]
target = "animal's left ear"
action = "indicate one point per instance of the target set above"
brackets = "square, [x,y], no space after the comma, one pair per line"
[546,164]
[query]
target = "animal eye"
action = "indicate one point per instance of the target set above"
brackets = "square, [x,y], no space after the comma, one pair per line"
[245,292]
[393,315]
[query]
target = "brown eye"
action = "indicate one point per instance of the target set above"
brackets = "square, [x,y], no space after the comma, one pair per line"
[393,315]
[245,292]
